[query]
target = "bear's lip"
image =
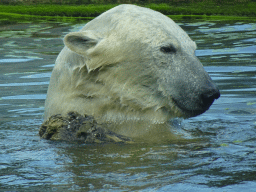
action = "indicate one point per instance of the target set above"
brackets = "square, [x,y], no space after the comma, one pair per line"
[186,113]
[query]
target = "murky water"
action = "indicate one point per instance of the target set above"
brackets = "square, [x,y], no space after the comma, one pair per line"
[220,157]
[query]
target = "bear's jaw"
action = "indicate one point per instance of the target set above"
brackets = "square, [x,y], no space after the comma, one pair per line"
[203,104]
[187,113]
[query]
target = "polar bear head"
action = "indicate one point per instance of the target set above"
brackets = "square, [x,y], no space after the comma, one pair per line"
[130,63]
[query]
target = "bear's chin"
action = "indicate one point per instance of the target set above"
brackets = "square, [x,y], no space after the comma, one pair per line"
[187,113]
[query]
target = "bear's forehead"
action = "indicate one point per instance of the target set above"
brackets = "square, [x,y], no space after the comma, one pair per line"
[132,18]
[135,22]
[141,18]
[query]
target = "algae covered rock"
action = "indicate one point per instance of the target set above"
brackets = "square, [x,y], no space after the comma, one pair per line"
[76,127]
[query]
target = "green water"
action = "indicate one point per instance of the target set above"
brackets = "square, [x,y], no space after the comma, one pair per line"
[221,158]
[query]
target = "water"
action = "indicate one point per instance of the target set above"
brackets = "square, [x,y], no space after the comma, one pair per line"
[219,154]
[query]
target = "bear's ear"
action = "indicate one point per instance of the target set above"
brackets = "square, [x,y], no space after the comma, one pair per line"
[80,42]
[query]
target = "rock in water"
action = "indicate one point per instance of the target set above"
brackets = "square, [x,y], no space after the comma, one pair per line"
[76,127]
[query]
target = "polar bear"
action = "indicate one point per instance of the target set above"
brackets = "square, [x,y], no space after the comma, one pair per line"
[132,67]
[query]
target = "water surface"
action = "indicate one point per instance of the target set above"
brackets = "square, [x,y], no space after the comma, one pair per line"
[220,151]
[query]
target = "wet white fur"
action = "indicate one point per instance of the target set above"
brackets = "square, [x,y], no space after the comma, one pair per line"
[112,68]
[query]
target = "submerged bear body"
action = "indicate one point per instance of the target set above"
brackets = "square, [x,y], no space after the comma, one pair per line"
[131,67]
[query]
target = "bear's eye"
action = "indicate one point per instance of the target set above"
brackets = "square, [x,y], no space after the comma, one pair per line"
[168,49]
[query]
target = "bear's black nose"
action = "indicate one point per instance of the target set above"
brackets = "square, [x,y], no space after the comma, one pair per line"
[209,97]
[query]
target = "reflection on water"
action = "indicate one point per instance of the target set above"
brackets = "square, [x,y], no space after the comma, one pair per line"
[220,156]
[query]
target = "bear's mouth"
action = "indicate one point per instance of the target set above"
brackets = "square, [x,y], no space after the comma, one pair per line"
[198,105]
[187,113]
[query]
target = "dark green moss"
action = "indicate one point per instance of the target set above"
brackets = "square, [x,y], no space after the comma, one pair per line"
[57,10]
[209,9]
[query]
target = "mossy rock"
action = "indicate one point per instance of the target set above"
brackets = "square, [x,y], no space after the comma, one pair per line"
[76,127]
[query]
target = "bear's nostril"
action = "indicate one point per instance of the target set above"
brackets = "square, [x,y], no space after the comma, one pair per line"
[209,97]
